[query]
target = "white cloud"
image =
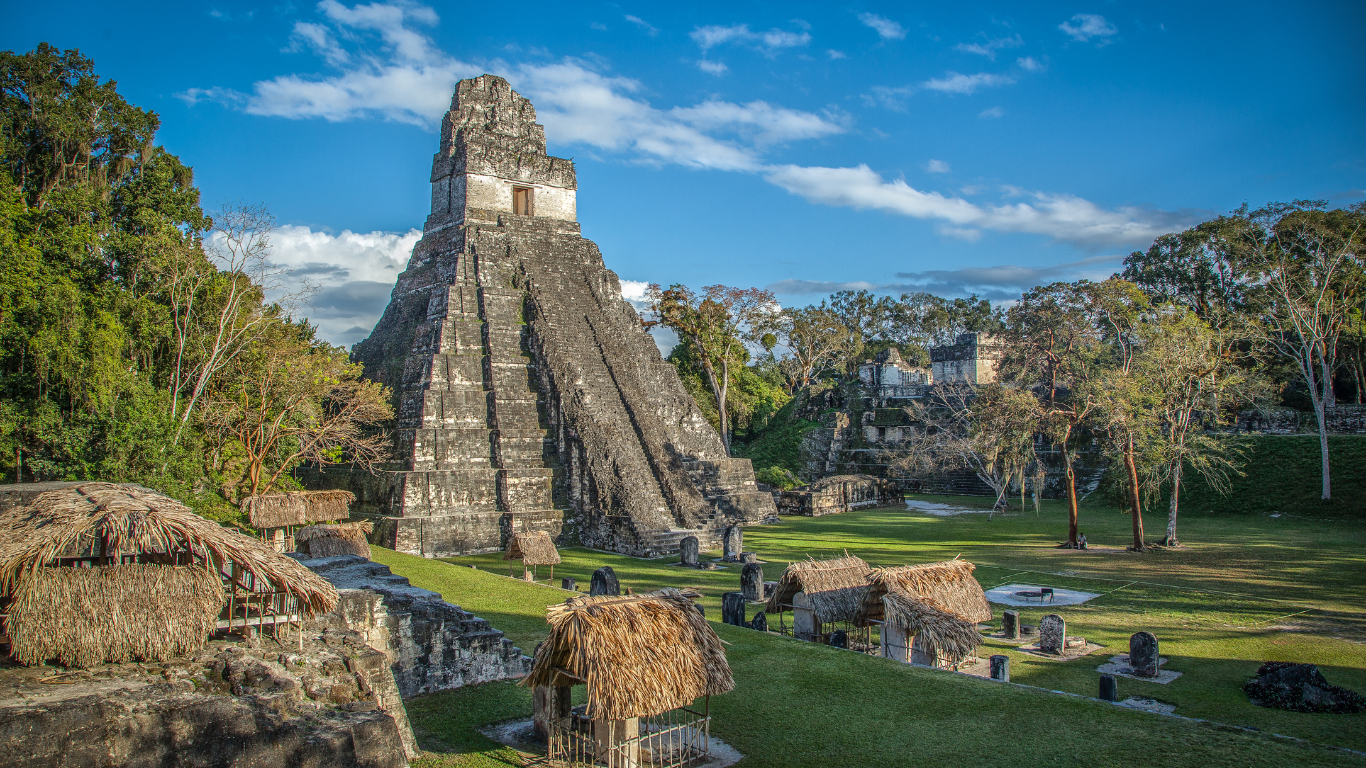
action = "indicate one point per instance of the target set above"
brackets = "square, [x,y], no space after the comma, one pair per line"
[833,54]
[712,67]
[578,105]
[769,42]
[954,82]
[937,166]
[1065,218]
[1029,64]
[990,47]
[992,112]
[648,28]
[1088,26]
[354,271]
[885,28]
[999,283]
[598,25]
[408,80]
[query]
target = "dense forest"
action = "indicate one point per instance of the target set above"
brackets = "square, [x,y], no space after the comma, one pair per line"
[141,338]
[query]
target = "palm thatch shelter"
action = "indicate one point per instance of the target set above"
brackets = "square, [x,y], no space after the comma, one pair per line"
[645,659]
[532,548]
[276,515]
[105,572]
[928,612]
[820,594]
[333,540]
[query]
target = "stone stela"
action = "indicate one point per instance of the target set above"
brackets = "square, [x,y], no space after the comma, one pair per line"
[504,325]
[1052,634]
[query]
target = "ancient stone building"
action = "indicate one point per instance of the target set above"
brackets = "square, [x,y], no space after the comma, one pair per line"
[889,377]
[973,358]
[529,396]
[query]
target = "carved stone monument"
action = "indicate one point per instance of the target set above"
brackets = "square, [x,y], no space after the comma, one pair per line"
[732,544]
[604,582]
[568,584]
[1052,634]
[760,622]
[1000,668]
[687,549]
[752,582]
[1109,688]
[733,608]
[1143,657]
[749,557]
[839,639]
[1010,625]
[527,392]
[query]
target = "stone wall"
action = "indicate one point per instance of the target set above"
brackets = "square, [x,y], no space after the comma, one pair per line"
[431,645]
[839,493]
[528,394]
[1340,419]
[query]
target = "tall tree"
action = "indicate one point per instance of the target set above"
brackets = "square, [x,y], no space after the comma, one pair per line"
[815,338]
[1053,341]
[1311,261]
[1191,371]
[717,323]
[1125,411]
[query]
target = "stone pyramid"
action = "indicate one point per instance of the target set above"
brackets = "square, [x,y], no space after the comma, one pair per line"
[529,395]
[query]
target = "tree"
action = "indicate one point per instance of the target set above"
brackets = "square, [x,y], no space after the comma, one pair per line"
[814,337]
[1311,262]
[716,323]
[1125,406]
[988,430]
[1189,367]
[1201,269]
[1053,341]
[289,398]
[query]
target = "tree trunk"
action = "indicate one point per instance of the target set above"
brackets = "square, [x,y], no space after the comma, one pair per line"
[1321,415]
[1135,504]
[1071,482]
[1170,540]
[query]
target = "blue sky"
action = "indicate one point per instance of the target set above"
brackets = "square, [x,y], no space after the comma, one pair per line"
[801,147]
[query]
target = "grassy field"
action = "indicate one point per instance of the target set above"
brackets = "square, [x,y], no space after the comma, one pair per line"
[1245,589]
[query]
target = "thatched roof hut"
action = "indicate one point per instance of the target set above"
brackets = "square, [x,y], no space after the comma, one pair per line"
[948,586]
[82,616]
[154,560]
[833,588]
[533,548]
[334,540]
[951,636]
[640,656]
[277,510]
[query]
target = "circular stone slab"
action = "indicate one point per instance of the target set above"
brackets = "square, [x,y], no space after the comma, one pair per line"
[1006,596]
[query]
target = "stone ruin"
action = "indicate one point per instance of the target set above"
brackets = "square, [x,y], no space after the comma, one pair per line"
[529,396]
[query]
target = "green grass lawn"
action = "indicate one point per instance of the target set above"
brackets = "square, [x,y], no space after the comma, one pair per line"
[1245,589]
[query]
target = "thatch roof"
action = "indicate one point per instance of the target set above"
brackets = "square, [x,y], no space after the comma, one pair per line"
[276,510]
[72,522]
[834,587]
[640,656]
[334,540]
[953,637]
[83,616]
[534,548]
[948,586]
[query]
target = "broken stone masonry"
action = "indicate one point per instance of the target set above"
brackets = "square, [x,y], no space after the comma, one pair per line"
[431,644]
[864,423]
[529,396]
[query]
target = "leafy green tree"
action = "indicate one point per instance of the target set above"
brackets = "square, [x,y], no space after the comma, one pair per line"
[1314,269]
[815,338]
[716,323]
[1052,347]
[290,398]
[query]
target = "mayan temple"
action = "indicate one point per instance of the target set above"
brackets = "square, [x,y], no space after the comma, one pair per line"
[528,394]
